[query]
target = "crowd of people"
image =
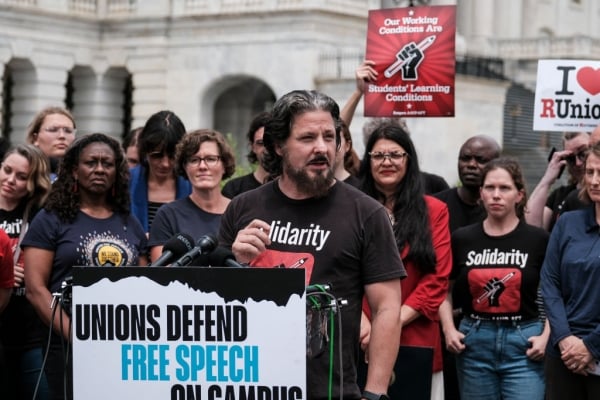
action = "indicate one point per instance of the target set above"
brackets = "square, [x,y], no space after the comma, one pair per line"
[470,292]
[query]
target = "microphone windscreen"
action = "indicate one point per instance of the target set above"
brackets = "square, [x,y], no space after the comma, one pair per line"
[219,256]
[179,244]
[215,258]
[207,243]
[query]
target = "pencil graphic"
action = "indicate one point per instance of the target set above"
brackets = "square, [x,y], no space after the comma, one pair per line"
[487,294]
[299,263]
[400,62]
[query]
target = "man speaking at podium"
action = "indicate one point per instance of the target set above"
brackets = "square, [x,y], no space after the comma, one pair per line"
[306,219]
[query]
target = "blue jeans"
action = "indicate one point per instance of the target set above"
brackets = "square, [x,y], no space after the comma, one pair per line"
[494,365]
[23,370]
[31,370]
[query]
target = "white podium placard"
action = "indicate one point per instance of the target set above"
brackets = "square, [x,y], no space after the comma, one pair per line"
[188,333]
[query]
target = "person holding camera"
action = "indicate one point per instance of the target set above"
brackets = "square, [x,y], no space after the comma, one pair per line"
[543,210]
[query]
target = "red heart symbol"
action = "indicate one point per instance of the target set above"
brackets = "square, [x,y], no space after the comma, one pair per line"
[589,80]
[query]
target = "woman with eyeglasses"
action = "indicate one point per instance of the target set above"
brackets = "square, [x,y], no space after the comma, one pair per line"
[52,130]
[390,173]
[155,182]
[204,158]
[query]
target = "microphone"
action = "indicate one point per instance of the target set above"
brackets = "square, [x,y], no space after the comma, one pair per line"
[220,257]
[205,244]
[173,248]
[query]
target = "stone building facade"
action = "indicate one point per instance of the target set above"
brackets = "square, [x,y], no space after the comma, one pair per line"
[216,63]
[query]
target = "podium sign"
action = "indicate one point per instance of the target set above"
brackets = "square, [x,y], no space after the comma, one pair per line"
[188,333]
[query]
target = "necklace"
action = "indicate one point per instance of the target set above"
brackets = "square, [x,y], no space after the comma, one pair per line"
[392,218]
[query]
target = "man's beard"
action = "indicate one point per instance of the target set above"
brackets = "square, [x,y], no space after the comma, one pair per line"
[317,186]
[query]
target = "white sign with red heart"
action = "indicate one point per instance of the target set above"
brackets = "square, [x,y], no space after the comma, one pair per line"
[567,96]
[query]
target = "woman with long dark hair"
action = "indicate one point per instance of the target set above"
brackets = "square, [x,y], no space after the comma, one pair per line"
[154,181]
[391,174]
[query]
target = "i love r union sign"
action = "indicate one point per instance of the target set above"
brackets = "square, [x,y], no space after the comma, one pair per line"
[567,96]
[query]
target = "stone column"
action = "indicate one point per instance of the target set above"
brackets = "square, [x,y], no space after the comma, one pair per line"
[149,84]
[98,101]
[36,87]
[482,23]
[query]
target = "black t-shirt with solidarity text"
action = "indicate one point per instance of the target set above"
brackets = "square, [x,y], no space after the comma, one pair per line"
[343,239]
[497,277]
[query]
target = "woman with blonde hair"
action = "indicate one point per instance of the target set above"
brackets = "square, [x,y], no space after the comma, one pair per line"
[52,130]
[571,291]
[24,186]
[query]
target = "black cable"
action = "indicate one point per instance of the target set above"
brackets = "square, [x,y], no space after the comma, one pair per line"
[62,347]
[335,307]
[54,306]
[66,288]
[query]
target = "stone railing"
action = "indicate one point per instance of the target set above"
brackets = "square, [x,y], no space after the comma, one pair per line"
[176,8]
[583,47]
[339,64]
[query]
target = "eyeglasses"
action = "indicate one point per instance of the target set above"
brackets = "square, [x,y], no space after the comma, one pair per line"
[581,155]
[56,129]
[211,161]
[394,157]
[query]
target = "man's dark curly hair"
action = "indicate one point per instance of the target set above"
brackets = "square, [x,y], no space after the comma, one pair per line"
[285,110]
[64,202]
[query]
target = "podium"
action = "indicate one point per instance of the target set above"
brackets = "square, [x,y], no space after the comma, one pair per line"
[188,333]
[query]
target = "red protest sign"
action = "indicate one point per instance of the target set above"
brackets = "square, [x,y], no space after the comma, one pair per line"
[413,51]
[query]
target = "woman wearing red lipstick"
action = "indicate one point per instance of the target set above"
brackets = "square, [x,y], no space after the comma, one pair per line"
[500,342]
[390,172]
[24,186]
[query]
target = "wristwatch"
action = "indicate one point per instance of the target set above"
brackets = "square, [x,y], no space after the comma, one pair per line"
[374,396]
